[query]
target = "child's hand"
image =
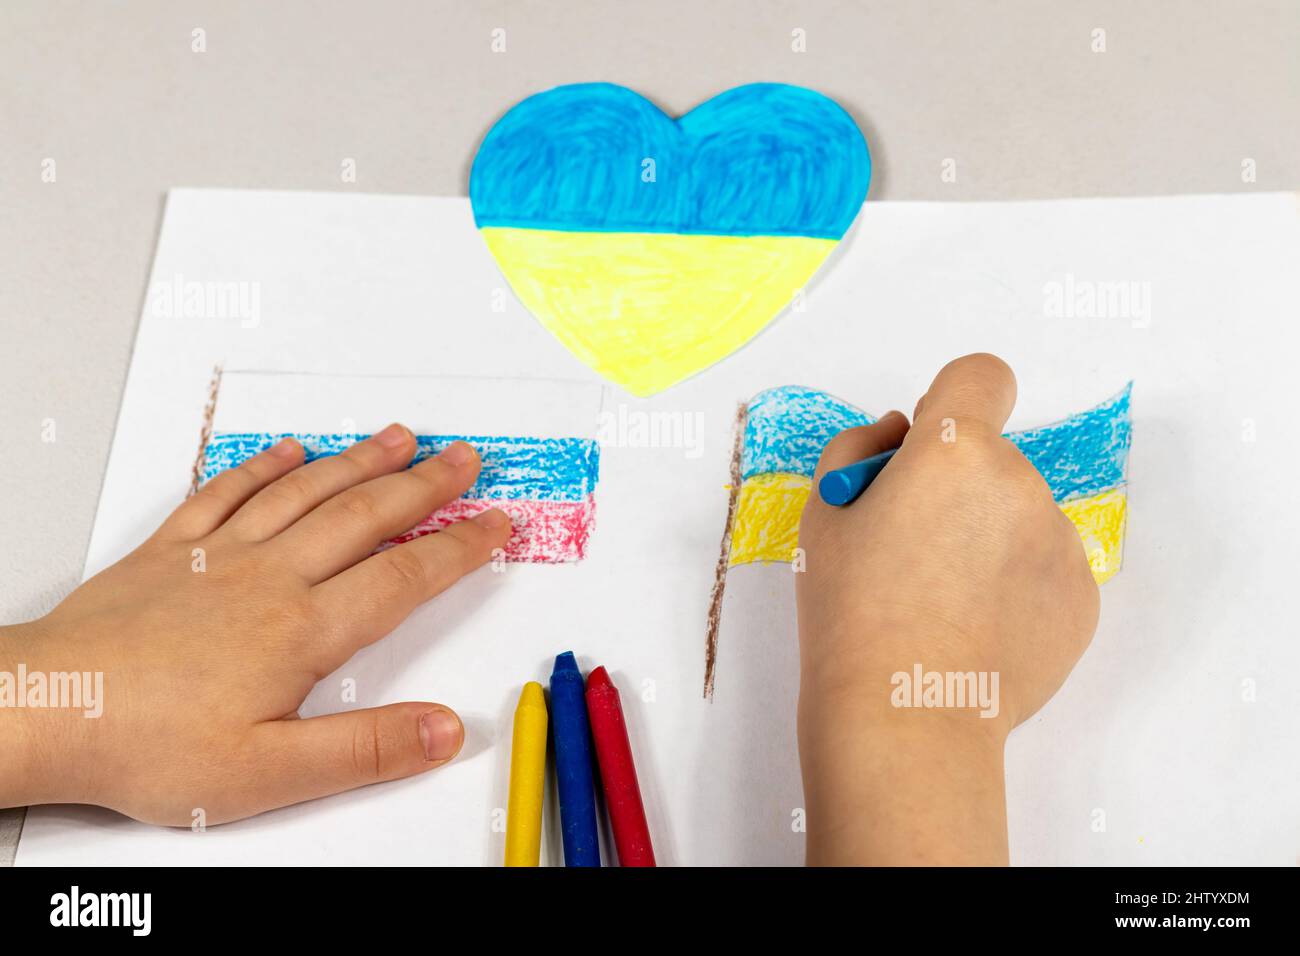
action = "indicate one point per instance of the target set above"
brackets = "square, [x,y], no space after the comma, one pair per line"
[956,558]
[204,670]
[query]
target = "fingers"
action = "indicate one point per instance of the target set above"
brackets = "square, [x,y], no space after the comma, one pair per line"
[349,526]
[855,444]
[305,759]
[367,601]
[283,502]
[977,391]
[205,510]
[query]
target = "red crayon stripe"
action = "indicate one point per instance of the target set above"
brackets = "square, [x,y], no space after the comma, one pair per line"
[545,532]
[617,772]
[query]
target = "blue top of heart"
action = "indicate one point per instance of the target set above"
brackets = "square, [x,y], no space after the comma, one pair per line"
[765,159]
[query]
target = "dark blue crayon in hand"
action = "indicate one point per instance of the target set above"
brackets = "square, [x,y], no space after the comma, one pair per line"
[573,776]
[843,485]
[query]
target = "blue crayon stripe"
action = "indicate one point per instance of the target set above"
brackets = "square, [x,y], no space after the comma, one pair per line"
[764,159]
[1085,453]
[537,469]
[788,427]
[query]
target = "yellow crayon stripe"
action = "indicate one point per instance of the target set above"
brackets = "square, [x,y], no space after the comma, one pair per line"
[767,523]
[767,518]
[527,779]
[1100,523]
[647,310]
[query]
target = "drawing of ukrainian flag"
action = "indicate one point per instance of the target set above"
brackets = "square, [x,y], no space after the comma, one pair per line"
[653,247]
[545,485]
[1084,460]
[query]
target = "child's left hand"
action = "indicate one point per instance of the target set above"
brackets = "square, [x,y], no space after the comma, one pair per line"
[210,635]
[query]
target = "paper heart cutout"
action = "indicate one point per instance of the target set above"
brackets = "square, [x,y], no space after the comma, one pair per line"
[652,247]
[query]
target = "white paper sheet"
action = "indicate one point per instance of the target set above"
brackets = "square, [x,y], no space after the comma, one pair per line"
[1156,728]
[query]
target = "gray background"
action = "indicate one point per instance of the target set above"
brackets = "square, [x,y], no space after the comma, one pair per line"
[286,91]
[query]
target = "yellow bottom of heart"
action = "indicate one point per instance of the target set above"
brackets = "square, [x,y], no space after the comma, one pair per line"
[647,310]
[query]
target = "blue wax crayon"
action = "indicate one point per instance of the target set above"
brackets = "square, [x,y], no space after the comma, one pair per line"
[573,763]
[843,485]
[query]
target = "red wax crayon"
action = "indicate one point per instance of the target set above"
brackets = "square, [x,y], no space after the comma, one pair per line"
[617,772]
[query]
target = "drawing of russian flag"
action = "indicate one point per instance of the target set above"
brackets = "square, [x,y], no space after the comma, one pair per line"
[545,485]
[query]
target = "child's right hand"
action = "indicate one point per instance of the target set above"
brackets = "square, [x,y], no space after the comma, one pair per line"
[955,558]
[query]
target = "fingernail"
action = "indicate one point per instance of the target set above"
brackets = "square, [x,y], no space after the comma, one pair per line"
[495,518]
[892,413]
[394,436]
[440,735]
[457,453]
[284,448]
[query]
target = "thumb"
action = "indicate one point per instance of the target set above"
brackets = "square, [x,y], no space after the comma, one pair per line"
[977,390]
[314,758]
[855,444]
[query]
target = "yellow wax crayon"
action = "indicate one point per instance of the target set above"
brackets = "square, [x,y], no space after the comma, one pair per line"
[527,778]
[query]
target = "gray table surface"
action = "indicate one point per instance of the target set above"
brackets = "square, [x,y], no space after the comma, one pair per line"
[115,95]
